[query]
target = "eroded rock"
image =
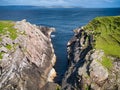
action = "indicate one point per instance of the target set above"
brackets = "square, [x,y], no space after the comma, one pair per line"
[88,68]
[28,60]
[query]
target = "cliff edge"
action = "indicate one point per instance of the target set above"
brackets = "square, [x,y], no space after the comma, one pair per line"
[94,56]
[26,56]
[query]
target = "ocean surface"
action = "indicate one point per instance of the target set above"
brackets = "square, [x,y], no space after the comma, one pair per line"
[63,19]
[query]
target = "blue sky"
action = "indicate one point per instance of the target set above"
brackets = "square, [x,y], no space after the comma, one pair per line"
[64,3]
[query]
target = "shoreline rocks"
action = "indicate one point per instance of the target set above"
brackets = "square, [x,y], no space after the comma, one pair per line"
[94,63]
[28,63]
[27,57]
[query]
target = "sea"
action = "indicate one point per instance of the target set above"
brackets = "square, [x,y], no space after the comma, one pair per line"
[65,20]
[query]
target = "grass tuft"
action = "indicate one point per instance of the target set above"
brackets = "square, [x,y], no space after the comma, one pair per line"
[1,55]
[9,47]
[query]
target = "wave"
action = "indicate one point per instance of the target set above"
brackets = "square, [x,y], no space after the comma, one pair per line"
[52,36]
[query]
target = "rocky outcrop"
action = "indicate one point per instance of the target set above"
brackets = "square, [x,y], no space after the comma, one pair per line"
[91,64]
[27,56]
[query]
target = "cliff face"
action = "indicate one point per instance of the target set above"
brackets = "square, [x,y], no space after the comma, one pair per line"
[26,56]
[93,56]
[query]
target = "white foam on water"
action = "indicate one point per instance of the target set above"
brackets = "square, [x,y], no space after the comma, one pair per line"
[52,36]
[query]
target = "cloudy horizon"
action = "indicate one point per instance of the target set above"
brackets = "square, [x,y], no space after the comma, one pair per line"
[64,3]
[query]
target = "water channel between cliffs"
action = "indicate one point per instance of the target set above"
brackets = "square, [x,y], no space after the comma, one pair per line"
[63,19]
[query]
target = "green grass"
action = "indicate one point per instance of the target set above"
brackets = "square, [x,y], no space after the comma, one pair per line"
[1,55]
[107,34]
[6,27]
[106,62]
[9,47]
[0,39]
[86,87]
[58,87]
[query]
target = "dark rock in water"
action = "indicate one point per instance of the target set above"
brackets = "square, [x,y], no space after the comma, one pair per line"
[91,66]
[27,56]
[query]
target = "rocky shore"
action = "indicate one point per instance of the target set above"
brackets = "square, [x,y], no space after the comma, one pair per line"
[26,56]
[93,56]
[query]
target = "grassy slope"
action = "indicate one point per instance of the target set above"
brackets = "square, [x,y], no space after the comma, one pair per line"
[7,30]
[107,35]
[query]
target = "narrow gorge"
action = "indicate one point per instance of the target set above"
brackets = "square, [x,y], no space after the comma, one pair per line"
[27,56]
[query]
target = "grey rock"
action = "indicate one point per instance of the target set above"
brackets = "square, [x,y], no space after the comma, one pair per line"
[6,40]
[85,70]
[51,86]
[29,65]
[3,49]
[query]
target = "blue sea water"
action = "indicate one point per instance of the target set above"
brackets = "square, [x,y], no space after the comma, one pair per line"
[63,19]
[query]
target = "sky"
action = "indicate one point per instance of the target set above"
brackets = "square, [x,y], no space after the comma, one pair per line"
[64,3]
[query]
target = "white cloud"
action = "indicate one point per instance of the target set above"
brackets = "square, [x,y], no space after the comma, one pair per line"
[109,0]
[38,2]
[63,3]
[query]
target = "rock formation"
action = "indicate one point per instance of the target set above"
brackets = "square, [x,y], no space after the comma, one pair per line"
[26,56]
[94,57]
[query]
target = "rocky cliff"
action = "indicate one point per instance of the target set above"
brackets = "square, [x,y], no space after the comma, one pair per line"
[94,56]
[26,56]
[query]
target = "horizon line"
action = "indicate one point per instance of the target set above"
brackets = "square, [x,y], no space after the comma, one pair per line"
[58,6]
